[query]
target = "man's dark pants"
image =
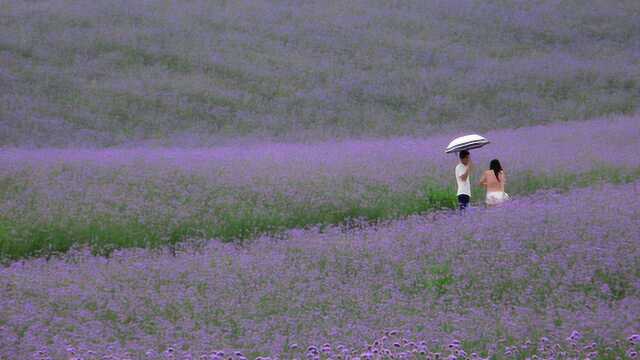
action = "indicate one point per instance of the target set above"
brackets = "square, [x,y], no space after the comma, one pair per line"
[463,201]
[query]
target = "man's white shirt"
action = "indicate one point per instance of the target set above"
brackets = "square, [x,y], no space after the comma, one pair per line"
[464,187]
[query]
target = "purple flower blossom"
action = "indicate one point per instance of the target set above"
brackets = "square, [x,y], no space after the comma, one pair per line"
[575,336]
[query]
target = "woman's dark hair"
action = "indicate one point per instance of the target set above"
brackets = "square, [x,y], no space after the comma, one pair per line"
[496,167]
[463,154]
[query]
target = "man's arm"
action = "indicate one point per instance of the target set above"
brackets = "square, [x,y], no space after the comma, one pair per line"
[465,175]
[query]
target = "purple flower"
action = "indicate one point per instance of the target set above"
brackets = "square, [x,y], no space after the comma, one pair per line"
[575,336]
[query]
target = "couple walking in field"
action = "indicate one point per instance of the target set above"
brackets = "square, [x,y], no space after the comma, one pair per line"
[493,180]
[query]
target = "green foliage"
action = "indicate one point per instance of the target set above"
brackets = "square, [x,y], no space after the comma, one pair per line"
[433,278]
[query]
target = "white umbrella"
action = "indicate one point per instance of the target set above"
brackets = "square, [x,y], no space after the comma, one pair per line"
[467,142]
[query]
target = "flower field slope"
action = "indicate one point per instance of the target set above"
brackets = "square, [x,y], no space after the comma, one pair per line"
[118,71]
[533,276]
[145,197]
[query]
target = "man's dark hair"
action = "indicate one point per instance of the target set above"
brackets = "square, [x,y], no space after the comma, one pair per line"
[463,154]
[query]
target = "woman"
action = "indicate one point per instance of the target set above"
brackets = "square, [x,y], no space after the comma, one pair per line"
[494,181]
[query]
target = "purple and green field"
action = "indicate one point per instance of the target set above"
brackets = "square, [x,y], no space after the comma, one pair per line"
[114,72]
[271,248]
[54,199]
[232,180]
[517,279]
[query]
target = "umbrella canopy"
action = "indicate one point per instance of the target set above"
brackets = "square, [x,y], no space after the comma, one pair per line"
[467,142]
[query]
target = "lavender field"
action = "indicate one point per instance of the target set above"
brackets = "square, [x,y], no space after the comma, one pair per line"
[554,274]
[196,72]
[266,179]
[54,199]
[88,274]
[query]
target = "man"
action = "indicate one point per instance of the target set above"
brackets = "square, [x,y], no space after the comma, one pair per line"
[463,171]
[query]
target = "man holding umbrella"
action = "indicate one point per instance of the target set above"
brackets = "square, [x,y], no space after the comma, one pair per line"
[463,172]
[462,145]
